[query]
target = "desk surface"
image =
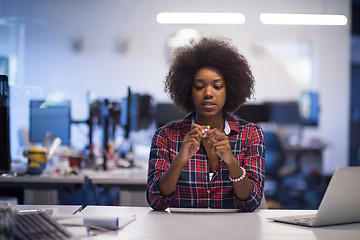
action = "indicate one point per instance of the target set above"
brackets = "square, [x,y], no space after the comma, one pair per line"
[160,225]
[118,177]
[130,176]
[43,189]
[303,149]
[157,225]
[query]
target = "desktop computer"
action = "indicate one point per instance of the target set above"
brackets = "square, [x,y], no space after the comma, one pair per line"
[5,159]
[50,118]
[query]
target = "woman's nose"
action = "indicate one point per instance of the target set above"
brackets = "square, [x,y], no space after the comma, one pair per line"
[208,93]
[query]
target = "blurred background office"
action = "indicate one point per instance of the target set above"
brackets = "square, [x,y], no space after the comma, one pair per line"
[92,52]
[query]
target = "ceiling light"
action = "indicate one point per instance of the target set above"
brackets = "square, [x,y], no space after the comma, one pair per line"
[302,19]
[200,18]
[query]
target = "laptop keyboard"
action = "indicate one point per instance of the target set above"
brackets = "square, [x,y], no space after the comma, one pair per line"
[304,221]
[39,225]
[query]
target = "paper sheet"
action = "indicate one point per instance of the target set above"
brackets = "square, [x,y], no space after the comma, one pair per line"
[106,222]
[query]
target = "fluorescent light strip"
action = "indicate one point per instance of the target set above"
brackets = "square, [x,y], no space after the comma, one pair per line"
[302,19]
[200,18]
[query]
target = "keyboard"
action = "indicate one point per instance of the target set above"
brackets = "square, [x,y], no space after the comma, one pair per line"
[306,221]
[39,225]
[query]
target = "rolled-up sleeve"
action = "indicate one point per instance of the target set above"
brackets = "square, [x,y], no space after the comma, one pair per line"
[158,164]
[253,160]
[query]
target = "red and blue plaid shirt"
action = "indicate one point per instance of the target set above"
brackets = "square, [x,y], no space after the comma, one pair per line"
[194,188]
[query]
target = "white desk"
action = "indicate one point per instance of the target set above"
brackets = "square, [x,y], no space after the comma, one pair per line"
[132,182]
[159,225]
[43,189]
[126,178]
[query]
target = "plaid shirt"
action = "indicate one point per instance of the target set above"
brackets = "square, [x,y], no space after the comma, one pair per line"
[194,188]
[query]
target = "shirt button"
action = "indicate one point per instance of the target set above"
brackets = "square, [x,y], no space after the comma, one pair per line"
[208,191]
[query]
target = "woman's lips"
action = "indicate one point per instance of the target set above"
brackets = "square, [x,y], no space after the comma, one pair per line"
[208,105]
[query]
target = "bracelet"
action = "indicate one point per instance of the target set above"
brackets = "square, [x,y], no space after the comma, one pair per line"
[239,178]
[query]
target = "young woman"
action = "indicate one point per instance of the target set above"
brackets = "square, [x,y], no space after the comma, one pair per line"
[223,167]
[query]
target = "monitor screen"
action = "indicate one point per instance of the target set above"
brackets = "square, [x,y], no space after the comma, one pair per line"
[50,118]
[255,113]
[167,113]
[285,112]
[309,108]
[304,112]
[137,112]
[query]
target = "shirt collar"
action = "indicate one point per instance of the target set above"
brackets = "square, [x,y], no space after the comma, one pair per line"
[227,129]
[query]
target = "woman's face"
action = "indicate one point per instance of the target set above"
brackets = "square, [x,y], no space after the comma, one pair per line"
[208,92]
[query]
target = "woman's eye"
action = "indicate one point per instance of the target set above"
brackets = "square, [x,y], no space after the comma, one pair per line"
[217,87]
[199,87]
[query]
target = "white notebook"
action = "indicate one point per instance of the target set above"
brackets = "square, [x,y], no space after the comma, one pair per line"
[95,221]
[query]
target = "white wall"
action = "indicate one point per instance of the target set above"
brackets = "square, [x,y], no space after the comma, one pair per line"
[46,63]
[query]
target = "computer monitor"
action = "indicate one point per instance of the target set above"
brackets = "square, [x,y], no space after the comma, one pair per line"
[281,113]
[137,112]
[284,112]
[50,118]
[309,108]
[255,113]
[304,112]
[167,113]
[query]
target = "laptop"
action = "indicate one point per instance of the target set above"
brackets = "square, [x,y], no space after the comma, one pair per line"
[340,204]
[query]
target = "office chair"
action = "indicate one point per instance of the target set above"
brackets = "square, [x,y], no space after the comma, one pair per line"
[284,186]
[274,160]
[274,154]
